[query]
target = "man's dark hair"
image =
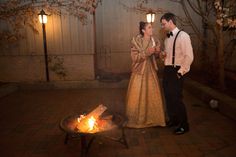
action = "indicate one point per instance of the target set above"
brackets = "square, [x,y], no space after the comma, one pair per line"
[168,17]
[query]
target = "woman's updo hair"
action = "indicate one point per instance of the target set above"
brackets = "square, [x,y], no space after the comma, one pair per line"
[142,26]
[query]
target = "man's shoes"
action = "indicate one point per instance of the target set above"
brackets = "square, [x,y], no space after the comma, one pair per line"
[181,130]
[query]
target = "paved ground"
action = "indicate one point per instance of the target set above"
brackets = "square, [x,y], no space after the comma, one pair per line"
[29,123]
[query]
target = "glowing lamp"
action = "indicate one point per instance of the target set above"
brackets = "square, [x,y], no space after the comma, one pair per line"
[43,17]
[150,17]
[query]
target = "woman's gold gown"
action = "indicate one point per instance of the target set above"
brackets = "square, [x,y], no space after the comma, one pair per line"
[144,106]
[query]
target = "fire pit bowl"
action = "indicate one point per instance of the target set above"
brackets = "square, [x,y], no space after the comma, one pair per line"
[69,125]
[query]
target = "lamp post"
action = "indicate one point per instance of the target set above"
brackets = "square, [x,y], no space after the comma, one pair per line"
[150,16]
[43,21]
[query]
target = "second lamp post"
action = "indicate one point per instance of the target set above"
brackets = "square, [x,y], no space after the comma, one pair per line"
[43,21]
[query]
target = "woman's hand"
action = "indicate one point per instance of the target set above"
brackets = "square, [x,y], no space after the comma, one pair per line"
[151,51]
[157,50]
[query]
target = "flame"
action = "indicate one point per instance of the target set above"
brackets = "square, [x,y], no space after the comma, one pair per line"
[80,118]
[86,124]
[91,123]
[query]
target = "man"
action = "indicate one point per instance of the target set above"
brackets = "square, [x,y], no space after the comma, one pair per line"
[178,58]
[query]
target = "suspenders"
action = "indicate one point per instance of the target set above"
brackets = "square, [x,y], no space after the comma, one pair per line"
[173,56]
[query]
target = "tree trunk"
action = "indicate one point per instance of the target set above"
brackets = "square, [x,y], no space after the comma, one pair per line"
[221,63]
[204,56]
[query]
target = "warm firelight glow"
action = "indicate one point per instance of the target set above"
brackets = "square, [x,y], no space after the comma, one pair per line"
[91,123]
[80,118]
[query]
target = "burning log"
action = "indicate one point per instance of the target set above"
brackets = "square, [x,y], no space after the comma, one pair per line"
[91,122]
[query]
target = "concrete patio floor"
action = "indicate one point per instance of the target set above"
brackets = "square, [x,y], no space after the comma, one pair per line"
[29,127]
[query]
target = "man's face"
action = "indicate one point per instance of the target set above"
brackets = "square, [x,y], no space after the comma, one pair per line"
[165,25]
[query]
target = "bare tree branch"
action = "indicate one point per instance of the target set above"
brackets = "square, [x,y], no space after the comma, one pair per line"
[196,30]
[17,14]
[195,9]
[140,8]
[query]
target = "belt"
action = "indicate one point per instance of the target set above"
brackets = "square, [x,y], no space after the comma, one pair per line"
[172,66]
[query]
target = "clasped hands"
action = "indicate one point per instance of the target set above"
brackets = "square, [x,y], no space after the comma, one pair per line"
[153,50]
[157,51]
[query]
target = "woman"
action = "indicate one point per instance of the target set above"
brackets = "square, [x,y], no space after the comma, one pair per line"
[144,106]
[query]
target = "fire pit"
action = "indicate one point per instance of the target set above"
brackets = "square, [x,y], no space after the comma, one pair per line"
[96,123]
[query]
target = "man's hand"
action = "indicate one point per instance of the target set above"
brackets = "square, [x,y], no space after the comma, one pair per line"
[157,49]
[179,75]
[163,54]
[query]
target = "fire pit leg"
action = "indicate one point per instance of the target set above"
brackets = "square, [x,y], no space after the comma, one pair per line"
[121,139]
[124,138]
[89,144]
[66,139]
[83,146]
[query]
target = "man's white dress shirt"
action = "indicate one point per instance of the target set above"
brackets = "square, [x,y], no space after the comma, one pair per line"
[183,51]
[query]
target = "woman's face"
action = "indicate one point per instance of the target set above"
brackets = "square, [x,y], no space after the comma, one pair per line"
[148,30]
